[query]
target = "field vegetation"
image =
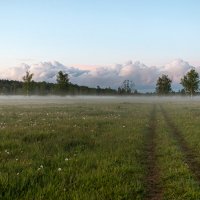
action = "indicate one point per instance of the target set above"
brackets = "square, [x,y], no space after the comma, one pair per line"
[121,149]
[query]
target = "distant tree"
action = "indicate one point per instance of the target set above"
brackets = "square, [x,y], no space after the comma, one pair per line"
[182,91]
[127,87]
[98,89]
[163,85]
[190,82]
[27,81]
[62,81]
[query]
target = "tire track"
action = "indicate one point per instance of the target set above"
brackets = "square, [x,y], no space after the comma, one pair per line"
[153,187]
[188,153]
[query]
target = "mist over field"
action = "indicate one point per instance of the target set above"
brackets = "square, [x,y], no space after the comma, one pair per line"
[52,99]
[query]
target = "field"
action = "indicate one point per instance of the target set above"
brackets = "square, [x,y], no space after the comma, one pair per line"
[99,148]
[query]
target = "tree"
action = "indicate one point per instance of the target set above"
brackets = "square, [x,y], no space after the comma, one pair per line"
[127,87]
[27,81]
[190,82]
[62,81]
[163,85]
[98,89]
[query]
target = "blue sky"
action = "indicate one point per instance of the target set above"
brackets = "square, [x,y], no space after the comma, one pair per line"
[88,32]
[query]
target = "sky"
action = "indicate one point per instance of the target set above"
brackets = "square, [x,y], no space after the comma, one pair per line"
[93,36]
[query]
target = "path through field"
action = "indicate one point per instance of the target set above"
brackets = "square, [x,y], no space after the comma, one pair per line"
[155,184]
[154,190]
[189,153]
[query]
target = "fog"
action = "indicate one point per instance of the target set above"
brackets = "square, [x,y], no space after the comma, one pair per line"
[44,100]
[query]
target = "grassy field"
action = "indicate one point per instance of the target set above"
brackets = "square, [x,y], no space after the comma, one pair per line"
[99,149]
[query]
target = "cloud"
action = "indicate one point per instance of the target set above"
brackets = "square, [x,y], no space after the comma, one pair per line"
[43,71]
[142,75]
[176,69]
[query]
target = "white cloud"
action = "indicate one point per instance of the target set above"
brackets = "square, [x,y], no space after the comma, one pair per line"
[44,71]
[143,76]
[176,69]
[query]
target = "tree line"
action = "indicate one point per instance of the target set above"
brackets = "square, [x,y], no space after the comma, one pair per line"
[63,86]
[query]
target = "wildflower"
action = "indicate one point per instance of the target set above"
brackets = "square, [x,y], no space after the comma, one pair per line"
[17,173]
[6,151]
[66,159]
[16,159]
[59,169]
[41,167]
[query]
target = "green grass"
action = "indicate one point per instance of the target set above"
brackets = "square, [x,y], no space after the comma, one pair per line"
[187,118]
[72,151]
[176,178]
[89,151]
